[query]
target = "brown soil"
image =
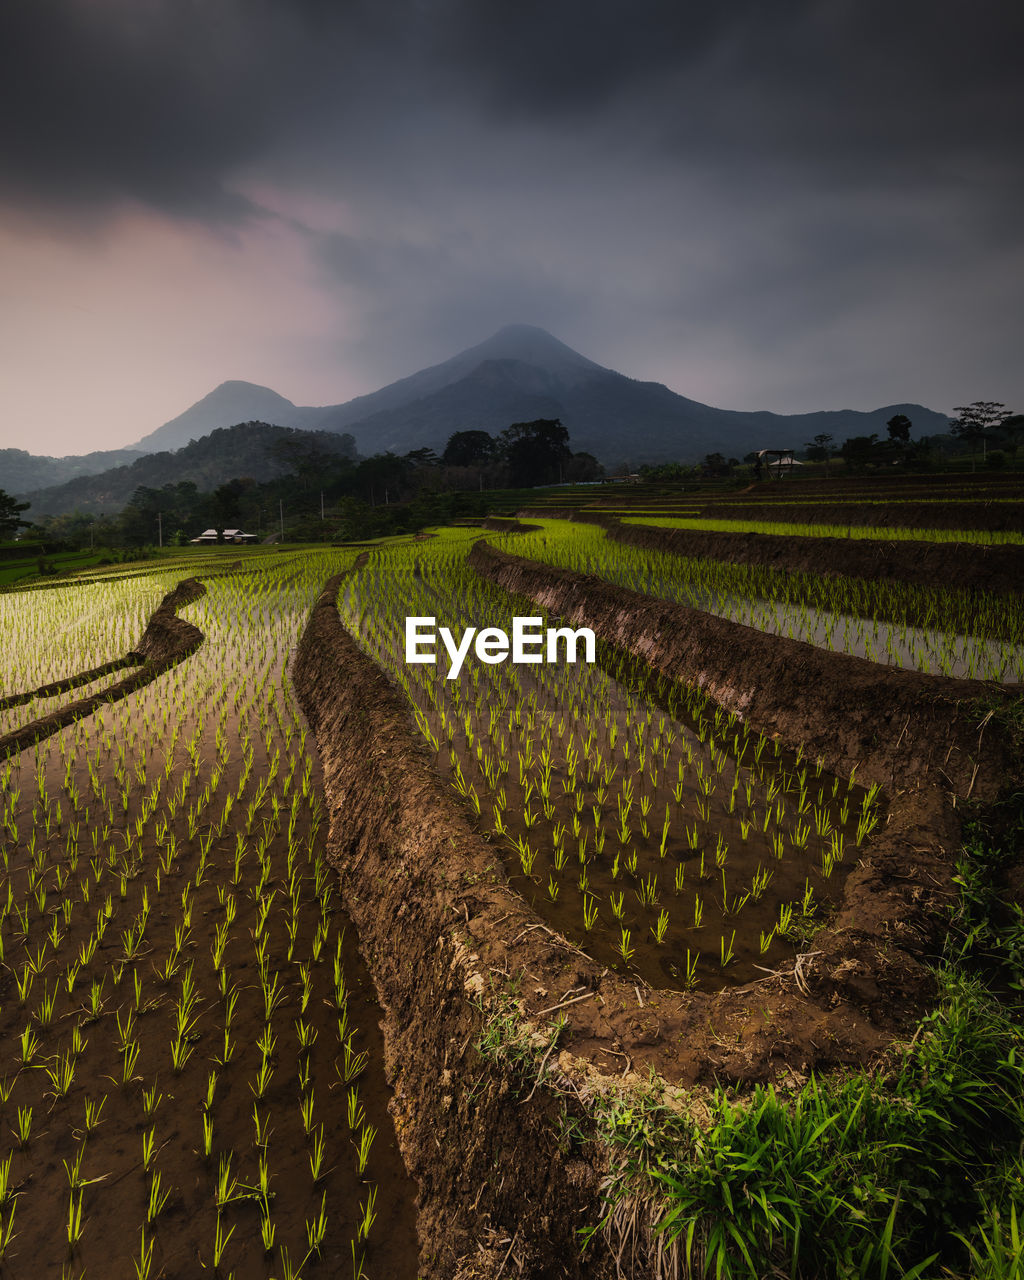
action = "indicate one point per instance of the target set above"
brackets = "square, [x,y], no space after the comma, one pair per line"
[963,565]
[897,728]
[72,682]
[997,517]
[448,942]
[998,569]
[97,862]
[507,524]
[167,640]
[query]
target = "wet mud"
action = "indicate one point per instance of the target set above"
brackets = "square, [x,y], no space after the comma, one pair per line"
[167,640]
[452,948]
[967,566]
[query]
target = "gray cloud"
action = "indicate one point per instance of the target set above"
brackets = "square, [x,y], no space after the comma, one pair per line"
[162,101]
[725,196]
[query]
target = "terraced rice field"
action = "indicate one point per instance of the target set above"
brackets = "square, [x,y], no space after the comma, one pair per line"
[664,992]
[191,1075]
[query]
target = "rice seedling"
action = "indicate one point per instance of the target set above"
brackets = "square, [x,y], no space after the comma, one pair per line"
[115,838]
[221,1240]
[267,1232]
[317,1154]
[158,1197]
[367,1213]
[144,1262]
[935,629]
[364,1144]
[316,1228]
[60,1071]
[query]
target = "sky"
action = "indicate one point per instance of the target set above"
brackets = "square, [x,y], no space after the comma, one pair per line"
[808,204]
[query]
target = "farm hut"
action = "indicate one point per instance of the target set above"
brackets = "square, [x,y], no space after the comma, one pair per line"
[779,462]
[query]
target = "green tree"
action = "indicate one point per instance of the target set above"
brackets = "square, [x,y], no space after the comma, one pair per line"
[1011,429]
[536,452]
[820,448]
[898,427]
[10,515]
[469,449]
[860,452]
[975,421]
[716,464]
[583,467]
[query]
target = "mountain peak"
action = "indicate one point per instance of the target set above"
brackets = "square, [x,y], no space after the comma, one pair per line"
[236,389]
[526,333]
[532,345]
[228,403]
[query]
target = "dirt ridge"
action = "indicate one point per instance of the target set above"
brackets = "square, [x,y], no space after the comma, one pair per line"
[885,722]
[970,566]
[167,640]
[62,686]
[445,939]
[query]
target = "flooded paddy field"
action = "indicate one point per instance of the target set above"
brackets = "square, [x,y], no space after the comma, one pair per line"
[192,1071]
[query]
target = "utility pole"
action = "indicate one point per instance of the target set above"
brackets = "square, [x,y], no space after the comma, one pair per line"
[280,509]
[321,504]
[160,526]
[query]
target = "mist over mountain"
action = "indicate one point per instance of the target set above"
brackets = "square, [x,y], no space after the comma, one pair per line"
[21,471]
[522,373]
[225,406]
[249,450]
[519,374]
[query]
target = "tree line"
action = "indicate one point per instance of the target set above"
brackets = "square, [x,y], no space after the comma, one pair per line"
[325,494]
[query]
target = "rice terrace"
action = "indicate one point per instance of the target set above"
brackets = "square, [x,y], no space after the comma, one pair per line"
[700,954]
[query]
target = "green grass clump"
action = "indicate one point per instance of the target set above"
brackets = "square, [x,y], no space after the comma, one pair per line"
[912,1169]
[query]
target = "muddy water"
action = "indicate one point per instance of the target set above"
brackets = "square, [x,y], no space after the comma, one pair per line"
[187,818]
[926,649]
[667,846]
[982,641]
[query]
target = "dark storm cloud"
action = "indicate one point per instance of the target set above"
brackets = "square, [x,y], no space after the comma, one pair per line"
[160,101]
[534,57]
[699,188]
[154,100]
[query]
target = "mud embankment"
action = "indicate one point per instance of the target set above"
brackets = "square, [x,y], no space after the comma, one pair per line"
[456,955]
[72,682]
[507,524]
[1001,516]
[425,894]
[167,640]
[898,728]
[961,565]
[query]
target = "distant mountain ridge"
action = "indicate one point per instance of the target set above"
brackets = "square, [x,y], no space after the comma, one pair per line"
[21,471]
[247,450]
[521,373]
[226,406]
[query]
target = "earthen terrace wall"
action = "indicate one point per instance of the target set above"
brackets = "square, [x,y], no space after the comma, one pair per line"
[447,941]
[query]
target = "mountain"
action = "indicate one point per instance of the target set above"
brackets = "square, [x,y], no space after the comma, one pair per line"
[225,406]
[256,450]
[21,471]
[522,373]
[234,402]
